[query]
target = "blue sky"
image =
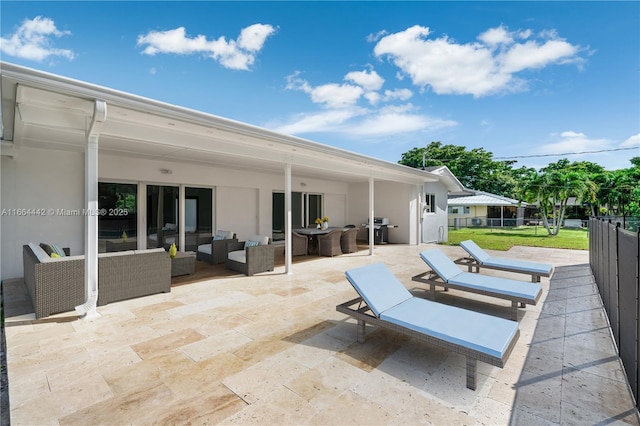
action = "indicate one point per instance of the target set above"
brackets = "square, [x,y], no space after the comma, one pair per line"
[518,79]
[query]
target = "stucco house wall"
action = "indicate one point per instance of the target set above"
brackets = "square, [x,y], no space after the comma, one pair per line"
[434,227]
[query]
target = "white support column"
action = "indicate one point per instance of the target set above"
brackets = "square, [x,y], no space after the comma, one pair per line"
[141,209]
[371,216]
[182,240]
[288,219]
[419,214]
[88,309]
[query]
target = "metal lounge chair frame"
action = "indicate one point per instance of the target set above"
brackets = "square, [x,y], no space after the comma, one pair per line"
[478,258]
[385,302]
[444,272]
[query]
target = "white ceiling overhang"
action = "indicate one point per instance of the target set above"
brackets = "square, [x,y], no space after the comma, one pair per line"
[48,111]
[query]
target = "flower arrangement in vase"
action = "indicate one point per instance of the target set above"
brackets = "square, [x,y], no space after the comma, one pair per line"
[318,222]
[325,222]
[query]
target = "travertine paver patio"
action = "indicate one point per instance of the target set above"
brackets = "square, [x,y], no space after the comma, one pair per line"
[271,349]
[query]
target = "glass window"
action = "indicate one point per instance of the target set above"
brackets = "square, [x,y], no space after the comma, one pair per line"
[198,217]
[117,228]
[315,208]
[162,216]
[303,206]
[429,203]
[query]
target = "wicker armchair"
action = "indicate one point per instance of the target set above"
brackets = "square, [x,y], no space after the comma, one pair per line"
[251,260]
[348,240]
[329,244]
[215,252]
[299,244]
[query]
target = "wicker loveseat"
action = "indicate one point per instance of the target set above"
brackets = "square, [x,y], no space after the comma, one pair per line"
[57,285]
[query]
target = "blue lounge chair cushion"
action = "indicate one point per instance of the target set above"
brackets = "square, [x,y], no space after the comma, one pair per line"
[451,273]
[484,333]
[441,264]
[377,285]
[484,259]
[507,287]
[475,251]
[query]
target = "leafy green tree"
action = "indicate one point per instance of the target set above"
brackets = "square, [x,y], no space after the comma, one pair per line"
[475,168]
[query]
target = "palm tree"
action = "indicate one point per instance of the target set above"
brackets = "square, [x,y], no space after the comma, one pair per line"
[552,187]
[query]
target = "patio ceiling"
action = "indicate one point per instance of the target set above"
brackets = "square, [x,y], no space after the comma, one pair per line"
[48,111]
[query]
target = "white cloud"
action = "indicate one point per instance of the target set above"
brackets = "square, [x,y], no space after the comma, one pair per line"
[239,55]
[395,120]
[573,142]
[325,121]
[253,37]
[633,141]
[343,115]
[330,95]
[369,80]
[480,68]
[399,94]
[33,40]
[532,55]
[375,37]
[496,36]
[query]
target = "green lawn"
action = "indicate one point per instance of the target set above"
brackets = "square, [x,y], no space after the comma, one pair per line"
[532,236]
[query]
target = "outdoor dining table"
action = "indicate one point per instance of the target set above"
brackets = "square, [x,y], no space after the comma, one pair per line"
[312,234]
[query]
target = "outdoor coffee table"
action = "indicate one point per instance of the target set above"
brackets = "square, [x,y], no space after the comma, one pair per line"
[119,244]
[183,264]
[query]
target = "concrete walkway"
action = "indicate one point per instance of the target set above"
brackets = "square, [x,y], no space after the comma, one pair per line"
[271,349]
[572,373]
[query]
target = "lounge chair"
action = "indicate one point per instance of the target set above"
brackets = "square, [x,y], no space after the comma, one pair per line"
[444,272]
[481,259]
[387,303]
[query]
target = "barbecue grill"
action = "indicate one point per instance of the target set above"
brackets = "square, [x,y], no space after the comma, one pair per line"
[380,230]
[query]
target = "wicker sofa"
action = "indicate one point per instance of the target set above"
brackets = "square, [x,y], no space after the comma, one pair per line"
[57,285]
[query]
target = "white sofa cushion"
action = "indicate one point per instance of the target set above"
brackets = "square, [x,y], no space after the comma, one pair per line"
[224,234]
[205,248]
[40,253]
[238,256]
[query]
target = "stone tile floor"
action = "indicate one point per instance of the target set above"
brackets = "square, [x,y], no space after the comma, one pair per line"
[271,349]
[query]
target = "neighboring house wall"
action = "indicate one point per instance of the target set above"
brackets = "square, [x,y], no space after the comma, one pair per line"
[474,212]
[434,224]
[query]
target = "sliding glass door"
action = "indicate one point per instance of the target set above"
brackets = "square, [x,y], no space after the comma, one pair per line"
[117,227]
[162,216]
[305,208]
[197,217]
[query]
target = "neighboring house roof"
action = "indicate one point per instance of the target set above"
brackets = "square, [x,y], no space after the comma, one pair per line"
[449,179]
[479,198]
[44,110]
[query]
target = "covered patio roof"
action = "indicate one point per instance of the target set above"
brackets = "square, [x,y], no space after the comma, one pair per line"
[49,111]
